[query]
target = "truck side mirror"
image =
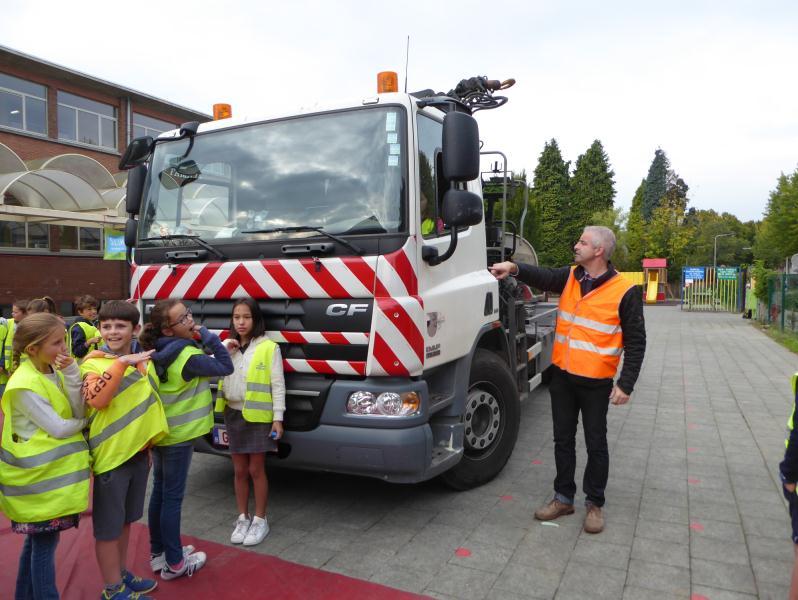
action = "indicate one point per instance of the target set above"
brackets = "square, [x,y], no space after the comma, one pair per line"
[136,152]
[135,188]
[460,209]
[460,147]
[130,237]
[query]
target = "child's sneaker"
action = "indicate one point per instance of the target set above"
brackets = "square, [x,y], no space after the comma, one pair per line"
[191,563]
[138,584]
[158,561]
[123,593]
[240,532]
[257,531]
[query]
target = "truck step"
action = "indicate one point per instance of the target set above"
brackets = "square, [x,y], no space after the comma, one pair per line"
[535,381]
[533,351]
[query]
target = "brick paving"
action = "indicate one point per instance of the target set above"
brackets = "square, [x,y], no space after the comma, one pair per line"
[694,507]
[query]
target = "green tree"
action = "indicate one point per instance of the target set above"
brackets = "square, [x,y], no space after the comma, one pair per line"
[615,219]
[592,185]
[636,229]
[656,184]
[668,237]
[777,237]
[552,194]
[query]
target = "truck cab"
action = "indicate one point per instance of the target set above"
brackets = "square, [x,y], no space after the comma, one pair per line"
[359,231]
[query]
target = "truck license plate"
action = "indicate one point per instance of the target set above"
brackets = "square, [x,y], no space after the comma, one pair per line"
[220,435]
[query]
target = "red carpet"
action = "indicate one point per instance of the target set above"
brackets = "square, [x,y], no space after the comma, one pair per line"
[229,573]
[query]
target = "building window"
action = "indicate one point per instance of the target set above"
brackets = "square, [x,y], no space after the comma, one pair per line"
[12,234]
[39,236]
[86,121]
[143,125]
[23,104]
[90,238]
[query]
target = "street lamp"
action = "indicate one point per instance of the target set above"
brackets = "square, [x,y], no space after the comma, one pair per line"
[715,252]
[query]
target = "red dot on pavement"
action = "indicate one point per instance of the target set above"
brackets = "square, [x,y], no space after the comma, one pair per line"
[693,481]
[696,526]
[537,461]
[692,449]
[462,552]
[698,597]
[692,426]
[506,498]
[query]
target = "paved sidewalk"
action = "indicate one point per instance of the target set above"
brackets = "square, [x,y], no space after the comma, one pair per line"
[693,503]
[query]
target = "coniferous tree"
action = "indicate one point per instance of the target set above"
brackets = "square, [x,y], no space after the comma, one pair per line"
[552,195]
[592,185]
[636,228]
[656,184]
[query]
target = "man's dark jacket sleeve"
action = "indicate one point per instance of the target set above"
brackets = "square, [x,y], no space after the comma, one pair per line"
[544,278]
[634,338]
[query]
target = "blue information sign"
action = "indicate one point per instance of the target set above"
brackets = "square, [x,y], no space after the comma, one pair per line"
[693,273]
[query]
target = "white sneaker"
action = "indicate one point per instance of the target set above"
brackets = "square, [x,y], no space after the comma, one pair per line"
[191,563]
[240,532]
[158,562]
[257,531]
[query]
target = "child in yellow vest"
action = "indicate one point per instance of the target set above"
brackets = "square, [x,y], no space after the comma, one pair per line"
[186,356]
[126,418]
[83,334]
[44,473]
[253,401]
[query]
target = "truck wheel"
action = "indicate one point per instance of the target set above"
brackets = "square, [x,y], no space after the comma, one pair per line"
[491,418]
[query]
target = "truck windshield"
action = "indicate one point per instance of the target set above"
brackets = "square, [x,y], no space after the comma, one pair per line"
[343,172]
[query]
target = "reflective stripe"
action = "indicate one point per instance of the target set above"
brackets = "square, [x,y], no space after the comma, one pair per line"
[153,383]
[203,385]
[128,380]
[255,405]
[259,387]
[48,485]
[193,415]
[122,422]
[37,460]
[589,323]
[588,346]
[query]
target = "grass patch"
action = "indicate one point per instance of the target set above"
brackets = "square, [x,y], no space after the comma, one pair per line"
[788,339]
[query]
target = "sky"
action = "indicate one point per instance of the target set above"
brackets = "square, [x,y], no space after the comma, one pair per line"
[712,84]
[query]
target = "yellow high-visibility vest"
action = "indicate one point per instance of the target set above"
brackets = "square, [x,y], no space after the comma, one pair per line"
[89,331]
[188,404]
[791,422]
[41,478]
[258,406]
[133,420]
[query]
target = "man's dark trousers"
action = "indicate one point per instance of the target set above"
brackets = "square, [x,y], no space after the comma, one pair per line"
[568,399]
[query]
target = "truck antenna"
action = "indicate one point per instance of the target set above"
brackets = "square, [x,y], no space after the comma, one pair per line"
[407,60]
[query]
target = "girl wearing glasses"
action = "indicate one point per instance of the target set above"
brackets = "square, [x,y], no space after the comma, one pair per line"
[186,355]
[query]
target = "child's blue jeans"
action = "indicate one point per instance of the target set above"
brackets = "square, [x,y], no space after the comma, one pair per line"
[169,473]
[36,575]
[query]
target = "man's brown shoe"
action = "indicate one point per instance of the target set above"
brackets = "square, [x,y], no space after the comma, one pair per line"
[552,510]
[594,519]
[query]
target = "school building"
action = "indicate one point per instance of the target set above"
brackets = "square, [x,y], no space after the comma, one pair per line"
[62,134]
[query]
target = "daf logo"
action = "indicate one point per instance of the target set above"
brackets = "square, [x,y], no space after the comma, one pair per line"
[348,310]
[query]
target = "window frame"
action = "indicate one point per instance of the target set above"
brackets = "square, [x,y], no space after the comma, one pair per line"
[147,129]
[25,96]
[100,117]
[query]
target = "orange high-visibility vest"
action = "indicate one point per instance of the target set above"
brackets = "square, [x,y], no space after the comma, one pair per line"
[588,340]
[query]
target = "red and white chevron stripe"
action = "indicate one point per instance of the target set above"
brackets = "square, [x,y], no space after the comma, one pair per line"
[354,338]
[396,342]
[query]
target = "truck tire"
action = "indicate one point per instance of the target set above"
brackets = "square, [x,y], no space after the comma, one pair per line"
[491,418]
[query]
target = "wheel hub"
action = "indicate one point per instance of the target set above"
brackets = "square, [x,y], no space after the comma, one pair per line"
[482,419]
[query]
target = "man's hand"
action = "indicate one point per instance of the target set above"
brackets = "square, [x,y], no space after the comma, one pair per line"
[503,269]
[618,396]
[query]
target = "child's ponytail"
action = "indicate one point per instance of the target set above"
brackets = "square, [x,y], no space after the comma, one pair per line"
[159,320]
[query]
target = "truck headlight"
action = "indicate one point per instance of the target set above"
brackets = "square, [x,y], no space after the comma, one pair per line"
[386,404]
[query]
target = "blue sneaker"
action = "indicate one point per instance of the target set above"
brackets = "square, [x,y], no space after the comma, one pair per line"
[138,584]
[123,593]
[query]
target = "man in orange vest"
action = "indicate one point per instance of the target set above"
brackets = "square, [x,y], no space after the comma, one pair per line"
[599,319]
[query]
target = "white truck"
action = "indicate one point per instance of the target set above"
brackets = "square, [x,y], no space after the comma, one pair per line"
[362,231]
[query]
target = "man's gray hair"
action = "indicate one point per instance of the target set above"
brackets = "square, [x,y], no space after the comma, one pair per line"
[603,237]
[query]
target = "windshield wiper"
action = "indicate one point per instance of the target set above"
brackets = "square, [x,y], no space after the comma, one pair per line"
[187,236]
[354,248]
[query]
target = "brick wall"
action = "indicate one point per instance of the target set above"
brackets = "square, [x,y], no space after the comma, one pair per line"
[62,278]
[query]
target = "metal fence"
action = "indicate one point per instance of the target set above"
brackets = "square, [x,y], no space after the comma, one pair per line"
[782,302]
[711,289]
